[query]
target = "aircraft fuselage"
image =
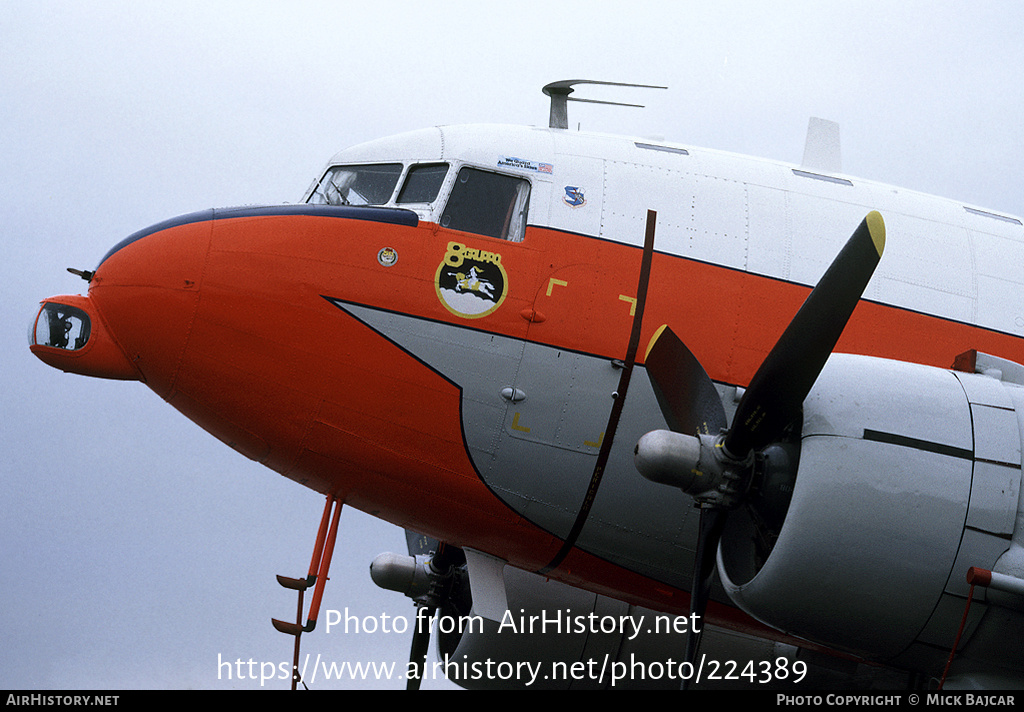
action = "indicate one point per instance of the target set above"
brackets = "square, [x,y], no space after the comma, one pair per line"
[453,373]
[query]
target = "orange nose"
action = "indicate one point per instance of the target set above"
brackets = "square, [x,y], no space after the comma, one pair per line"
[142,300]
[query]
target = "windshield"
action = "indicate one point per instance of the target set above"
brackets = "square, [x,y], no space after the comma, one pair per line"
[423,183]
[357,185]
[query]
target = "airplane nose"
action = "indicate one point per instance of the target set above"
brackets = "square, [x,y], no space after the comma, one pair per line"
[67,333]
[147,289]
[141,303]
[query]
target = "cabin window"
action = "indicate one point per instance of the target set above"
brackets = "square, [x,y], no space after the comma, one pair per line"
[371,184]
[423,183]
[486,203]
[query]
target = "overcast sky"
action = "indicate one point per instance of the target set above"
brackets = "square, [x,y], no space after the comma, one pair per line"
[135,548]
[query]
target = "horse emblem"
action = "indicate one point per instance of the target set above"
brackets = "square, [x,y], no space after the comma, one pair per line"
[470,283]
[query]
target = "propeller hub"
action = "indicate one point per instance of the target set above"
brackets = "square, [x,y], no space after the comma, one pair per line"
[698,465]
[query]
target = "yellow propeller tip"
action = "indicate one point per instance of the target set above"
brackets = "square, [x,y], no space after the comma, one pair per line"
[876,228]
[654,340]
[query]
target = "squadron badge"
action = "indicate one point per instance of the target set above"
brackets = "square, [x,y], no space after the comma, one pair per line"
[470,283]
[574,197]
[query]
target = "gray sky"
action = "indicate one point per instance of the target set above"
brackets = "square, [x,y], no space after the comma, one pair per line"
[135,548]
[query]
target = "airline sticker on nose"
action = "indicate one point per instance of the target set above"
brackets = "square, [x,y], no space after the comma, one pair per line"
[470,283]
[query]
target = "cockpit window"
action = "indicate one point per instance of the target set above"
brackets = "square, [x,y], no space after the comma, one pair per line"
[423,183]
[372,184]
[486,203]
[61,326]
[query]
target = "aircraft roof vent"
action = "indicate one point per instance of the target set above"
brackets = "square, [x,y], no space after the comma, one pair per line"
[560,91]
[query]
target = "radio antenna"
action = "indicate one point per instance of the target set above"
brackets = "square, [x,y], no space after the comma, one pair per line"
[560,91]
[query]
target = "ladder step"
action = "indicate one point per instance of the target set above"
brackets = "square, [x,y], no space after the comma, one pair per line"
[288,628]
[294,584]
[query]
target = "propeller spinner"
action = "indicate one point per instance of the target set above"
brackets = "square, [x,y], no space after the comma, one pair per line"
[719,469]
[430,575]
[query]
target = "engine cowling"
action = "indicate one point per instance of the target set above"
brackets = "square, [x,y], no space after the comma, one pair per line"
[908,475]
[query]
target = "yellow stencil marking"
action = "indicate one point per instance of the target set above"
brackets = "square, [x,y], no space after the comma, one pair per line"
[552,282]
[632,303]
[517,426]
[597,444]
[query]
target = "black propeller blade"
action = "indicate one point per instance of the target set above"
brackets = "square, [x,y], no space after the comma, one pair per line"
[441,570]
[718,471]
[712,522]
[420,645]
[776,392]
[685,393]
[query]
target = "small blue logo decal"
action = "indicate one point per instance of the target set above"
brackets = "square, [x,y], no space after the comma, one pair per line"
[574,196]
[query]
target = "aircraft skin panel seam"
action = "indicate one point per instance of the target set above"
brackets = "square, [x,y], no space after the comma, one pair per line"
[943,450]
[1006,537]
[341,304]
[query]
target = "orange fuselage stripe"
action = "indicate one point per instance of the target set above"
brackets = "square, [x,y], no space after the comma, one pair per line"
[246,345]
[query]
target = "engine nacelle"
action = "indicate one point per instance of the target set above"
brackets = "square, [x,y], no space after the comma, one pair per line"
[908,476]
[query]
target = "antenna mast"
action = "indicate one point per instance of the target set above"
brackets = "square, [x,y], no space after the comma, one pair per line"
[560,91]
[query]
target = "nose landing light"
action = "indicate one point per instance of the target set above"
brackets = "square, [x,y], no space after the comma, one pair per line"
[68,334]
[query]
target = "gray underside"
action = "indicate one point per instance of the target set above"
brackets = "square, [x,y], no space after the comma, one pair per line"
[538,454]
